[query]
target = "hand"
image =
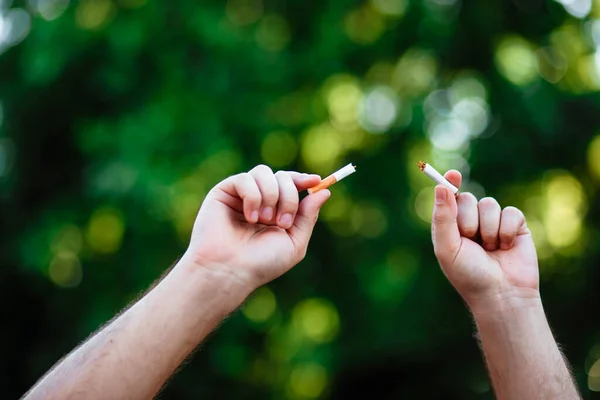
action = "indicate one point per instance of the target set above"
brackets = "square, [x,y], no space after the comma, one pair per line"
[486,253]
[253,226]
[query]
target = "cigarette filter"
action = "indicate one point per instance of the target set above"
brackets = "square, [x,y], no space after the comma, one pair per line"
[436,176]
[333,178]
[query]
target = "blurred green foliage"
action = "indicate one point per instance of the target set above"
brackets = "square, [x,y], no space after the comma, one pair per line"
[117,116]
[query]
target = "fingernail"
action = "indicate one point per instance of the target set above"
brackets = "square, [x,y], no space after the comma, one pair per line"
[286,220]
[440,195]
[504,246]
[490,247]
[267,213]
[254,216]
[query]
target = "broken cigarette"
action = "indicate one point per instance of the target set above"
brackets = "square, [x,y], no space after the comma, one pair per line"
[436,176]
[333,178]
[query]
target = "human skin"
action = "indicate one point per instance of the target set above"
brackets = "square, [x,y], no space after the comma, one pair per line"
[242,239]
[489,256]
[251,228]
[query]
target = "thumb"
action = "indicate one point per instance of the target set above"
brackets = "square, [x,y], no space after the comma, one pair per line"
[306,218]
[445,233]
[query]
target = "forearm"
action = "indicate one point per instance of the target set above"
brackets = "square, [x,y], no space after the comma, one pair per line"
[134,355]
[523,358]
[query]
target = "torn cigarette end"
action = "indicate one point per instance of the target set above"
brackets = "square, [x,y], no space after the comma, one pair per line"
[436,176]
[333,178]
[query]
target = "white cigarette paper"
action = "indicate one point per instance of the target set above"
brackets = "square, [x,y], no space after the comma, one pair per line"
[436,176]
[333,178]
[344,172]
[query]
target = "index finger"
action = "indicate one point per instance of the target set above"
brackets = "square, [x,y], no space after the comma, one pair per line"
[303,181]
[454,177]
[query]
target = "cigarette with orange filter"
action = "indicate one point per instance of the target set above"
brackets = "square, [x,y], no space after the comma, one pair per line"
[436,176]
[333,178]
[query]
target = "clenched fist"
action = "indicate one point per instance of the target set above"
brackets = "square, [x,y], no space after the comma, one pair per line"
[253,226]
[486,252]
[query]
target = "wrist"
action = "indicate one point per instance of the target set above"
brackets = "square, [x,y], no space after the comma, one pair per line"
[202,274]
[505,303]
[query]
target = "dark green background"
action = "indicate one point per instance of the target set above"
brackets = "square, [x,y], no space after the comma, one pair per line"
[119,115]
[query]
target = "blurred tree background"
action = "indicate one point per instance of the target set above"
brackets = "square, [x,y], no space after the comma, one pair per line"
[117,116]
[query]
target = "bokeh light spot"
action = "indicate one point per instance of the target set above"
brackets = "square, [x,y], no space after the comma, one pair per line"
[516,60]
[105,230]
[65,270]
[456,115]
[566,204]
[538,231]
[273,33]
[184,207]
[337,207]
[450,134]
[474,113]
[14,27]
[593,158]
[415,72]
[395,8]
[279,149]
[364,25]
[467,86]
[68,238]
[594,377]
[317,319]
[424,204]
[577,8]
[283,342]
[343,97]
[94,14]
[380,73]
[308,380]
[321,149]
[49,9]
[379,109]
[551,64]
[261,306]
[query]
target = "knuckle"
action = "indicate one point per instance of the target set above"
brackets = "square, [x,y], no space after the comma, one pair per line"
[240,176]
[467,197]
[470,196]
[244,177]
[488,202]
[284,178]
[513,211]
[263,168]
